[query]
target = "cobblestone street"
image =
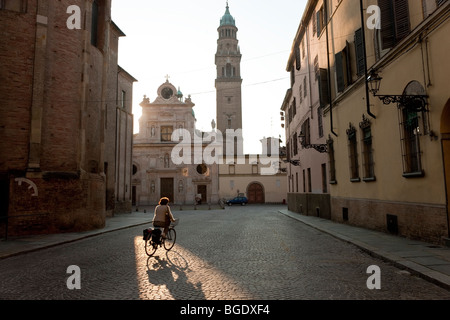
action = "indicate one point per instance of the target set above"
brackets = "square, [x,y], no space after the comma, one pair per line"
[250,253]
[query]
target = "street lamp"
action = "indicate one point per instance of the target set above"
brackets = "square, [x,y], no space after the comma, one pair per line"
[411,102]
[322,148]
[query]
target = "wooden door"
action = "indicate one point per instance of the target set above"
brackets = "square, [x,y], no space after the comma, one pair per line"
[201,189]
[167,189]
[255,193]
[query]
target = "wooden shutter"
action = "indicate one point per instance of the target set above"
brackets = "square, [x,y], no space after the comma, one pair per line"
[359,50]
[323,88]
[319,22]
[395,23]
[298,63]
[387,24]
[402,25]
[340,71]
[348,63]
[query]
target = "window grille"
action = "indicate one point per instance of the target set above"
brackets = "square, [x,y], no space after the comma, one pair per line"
[367,150]
[331,159]
[410,132]
[353,153]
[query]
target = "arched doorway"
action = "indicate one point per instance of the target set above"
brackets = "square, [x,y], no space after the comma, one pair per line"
[255,193]
[445,139]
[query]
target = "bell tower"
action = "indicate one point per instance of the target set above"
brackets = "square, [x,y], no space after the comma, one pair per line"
[228,83]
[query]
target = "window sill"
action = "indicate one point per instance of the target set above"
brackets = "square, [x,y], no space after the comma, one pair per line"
[418,174]
[355,180]
[333,182]
[369,179]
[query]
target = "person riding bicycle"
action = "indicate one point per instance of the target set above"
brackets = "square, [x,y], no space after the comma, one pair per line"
[163,216]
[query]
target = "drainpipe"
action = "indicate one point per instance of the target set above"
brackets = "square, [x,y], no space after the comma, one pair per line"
[365,61]
[329,78]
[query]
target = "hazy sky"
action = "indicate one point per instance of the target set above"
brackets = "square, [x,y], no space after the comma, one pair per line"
[179,38]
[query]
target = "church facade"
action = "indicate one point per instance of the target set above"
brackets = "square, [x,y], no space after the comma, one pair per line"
[167,125]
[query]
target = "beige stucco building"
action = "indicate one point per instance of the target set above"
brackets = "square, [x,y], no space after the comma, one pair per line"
[388,156]
[307,160]
[260,177]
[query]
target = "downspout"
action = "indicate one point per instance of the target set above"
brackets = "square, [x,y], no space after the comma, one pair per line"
[365,61]
[328,65]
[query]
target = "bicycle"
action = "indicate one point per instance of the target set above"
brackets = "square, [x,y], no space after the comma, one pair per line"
[153,238]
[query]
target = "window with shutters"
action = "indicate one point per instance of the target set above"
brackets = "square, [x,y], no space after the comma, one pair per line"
[298,63]
[323,87]
[320,121]
[294,107]
[292,77]
[314,22]
[359,53]
[316,68]
[395,23]
[320,21]
[306,132]
[303,48]
[305,91]
[343,68]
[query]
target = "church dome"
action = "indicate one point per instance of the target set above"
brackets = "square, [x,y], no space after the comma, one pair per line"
[227,19]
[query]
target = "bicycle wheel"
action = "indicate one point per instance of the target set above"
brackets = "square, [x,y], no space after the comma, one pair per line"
[150,247]
[171,237]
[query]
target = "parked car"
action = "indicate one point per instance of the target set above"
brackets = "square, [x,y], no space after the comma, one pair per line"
[238,200]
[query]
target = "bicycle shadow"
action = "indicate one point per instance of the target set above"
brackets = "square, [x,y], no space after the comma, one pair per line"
[170,271]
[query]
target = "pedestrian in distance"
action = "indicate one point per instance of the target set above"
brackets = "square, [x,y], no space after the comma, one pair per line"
[163,216]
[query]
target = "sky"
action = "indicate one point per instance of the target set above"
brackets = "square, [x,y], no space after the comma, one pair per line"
[178,38]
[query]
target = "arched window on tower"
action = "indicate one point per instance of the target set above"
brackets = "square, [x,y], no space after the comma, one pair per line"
[229,70]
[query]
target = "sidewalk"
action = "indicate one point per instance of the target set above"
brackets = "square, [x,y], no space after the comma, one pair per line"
[423,259]
[18,245]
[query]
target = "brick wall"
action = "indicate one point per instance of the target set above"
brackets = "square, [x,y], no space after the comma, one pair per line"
[63,122]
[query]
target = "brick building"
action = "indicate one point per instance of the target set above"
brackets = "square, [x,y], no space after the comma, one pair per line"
[59,106]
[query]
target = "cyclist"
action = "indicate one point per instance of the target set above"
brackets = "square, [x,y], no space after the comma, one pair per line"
[163,216]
